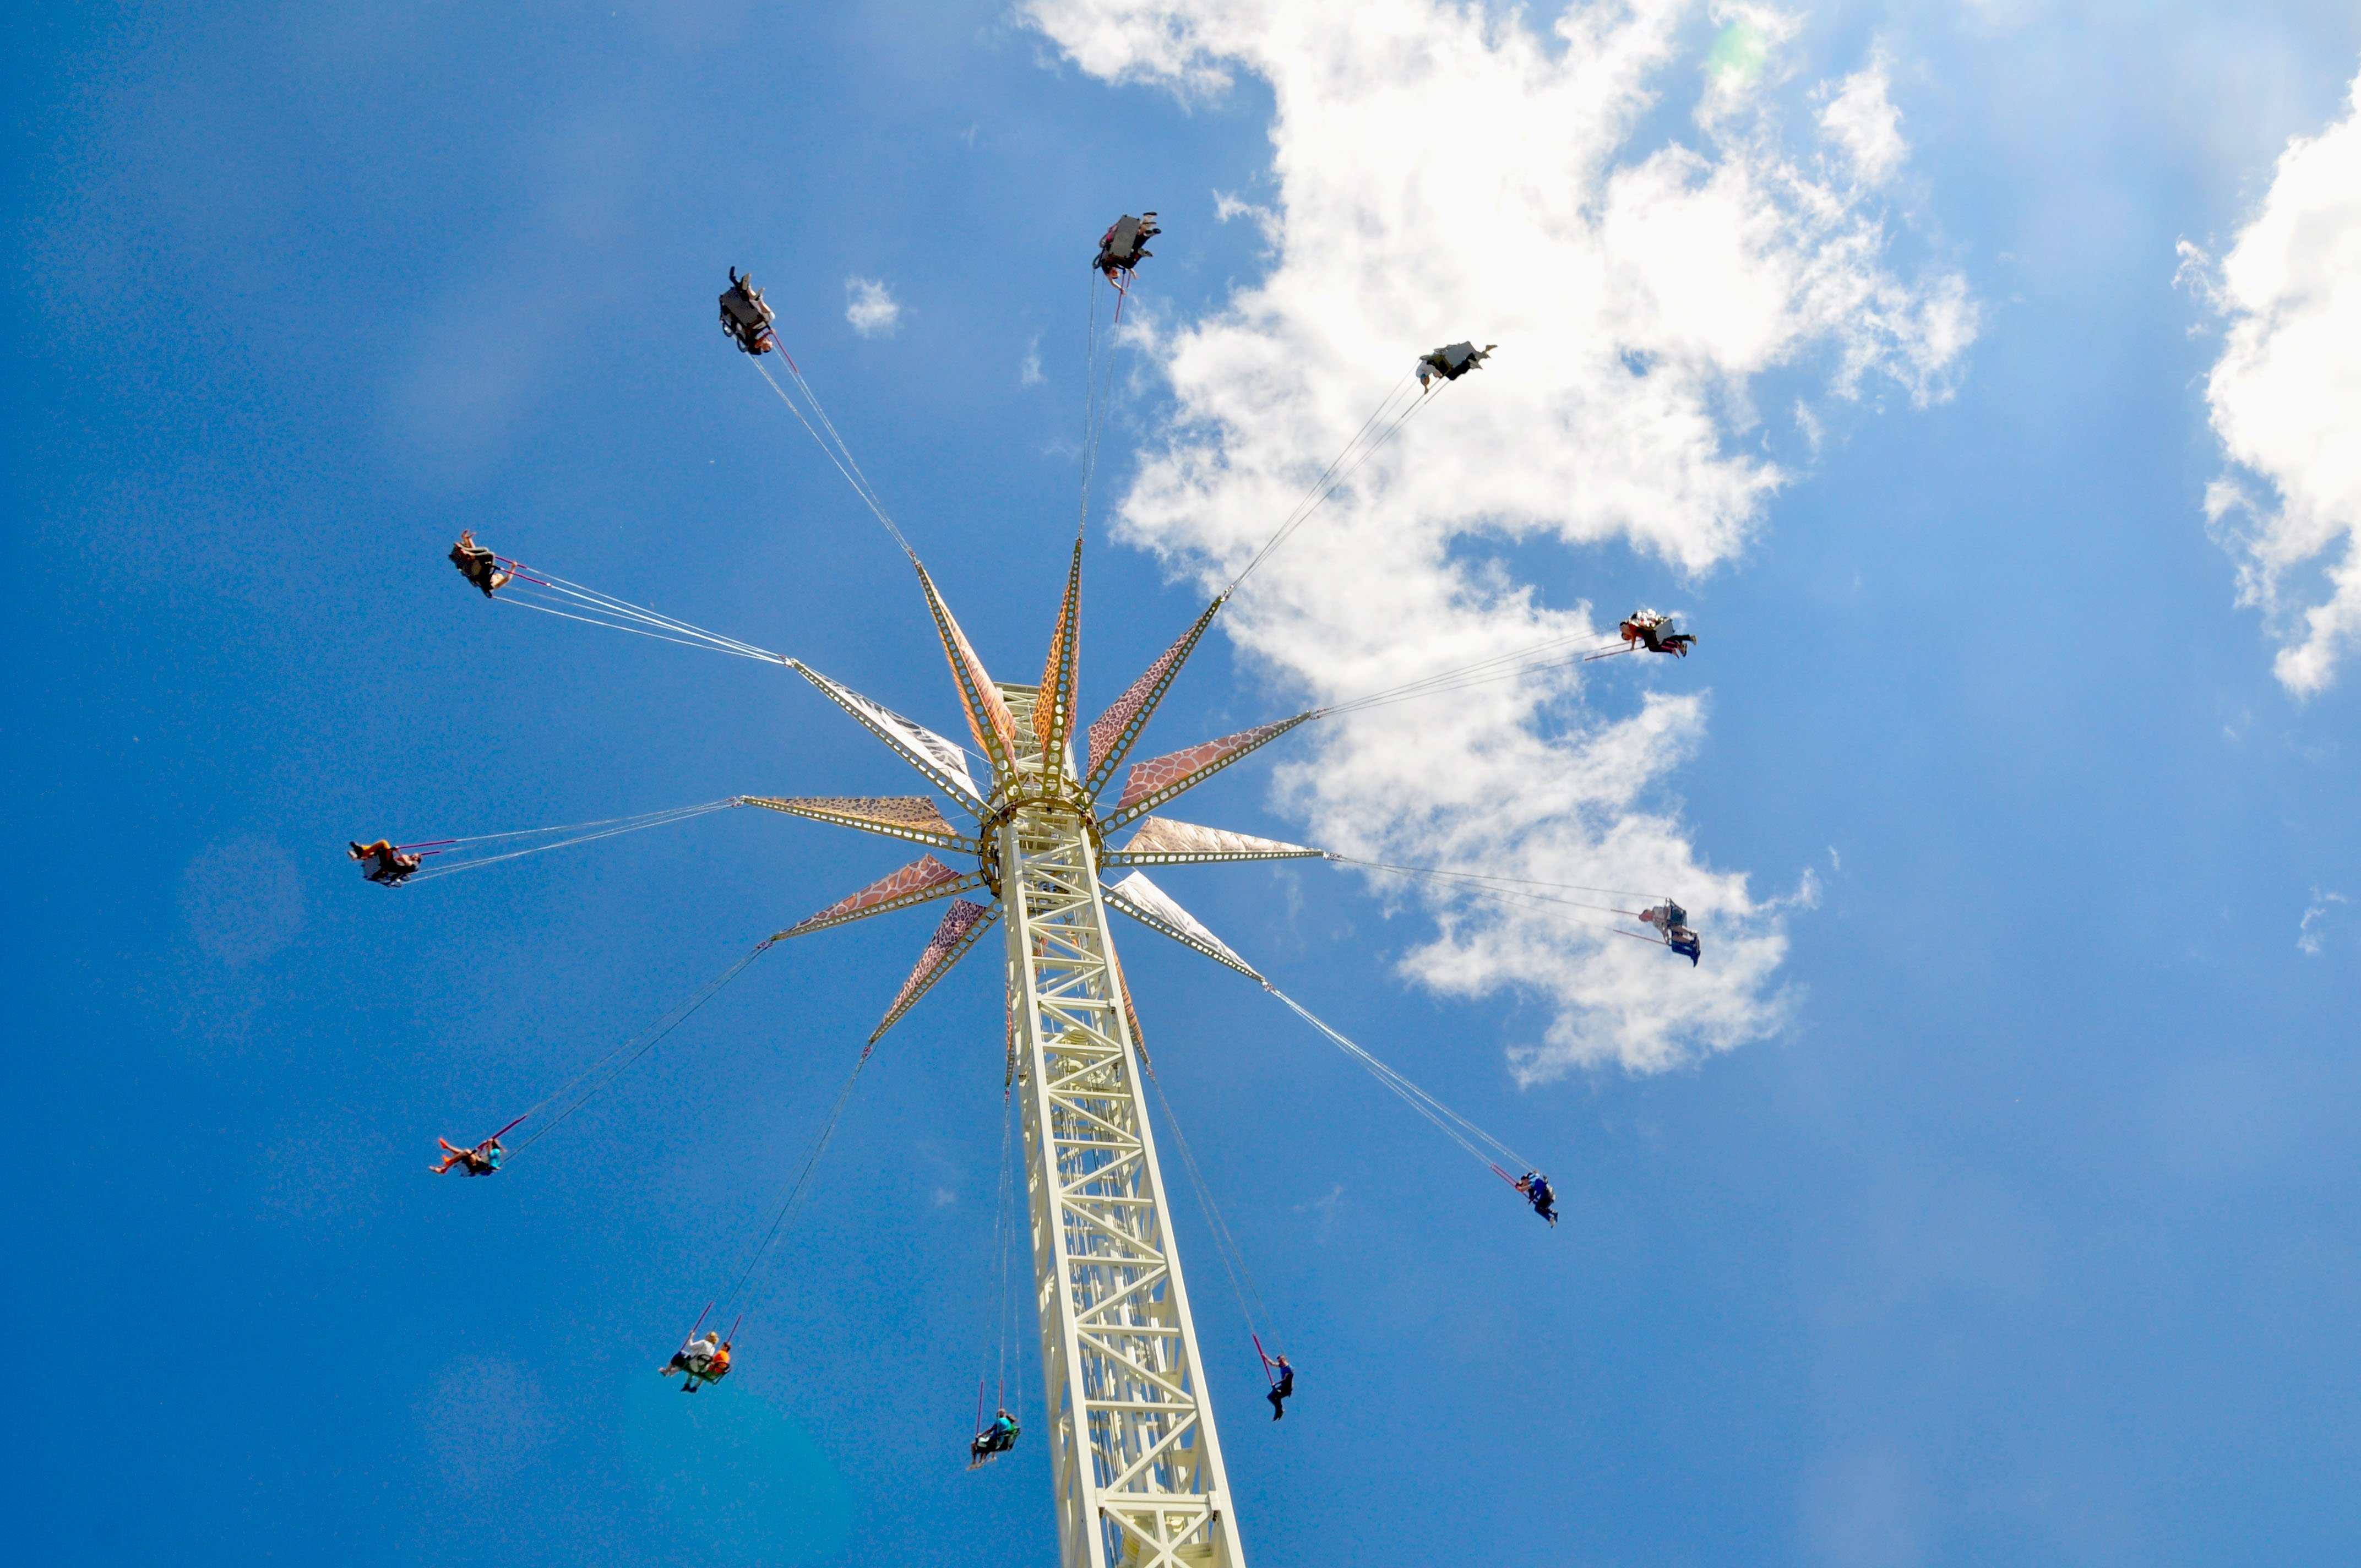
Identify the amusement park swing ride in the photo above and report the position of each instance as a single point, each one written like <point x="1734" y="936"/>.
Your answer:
<point x="1134" y="1452"/>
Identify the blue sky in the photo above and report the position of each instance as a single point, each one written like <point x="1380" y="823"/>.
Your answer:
<point x="1997" y="1207"/>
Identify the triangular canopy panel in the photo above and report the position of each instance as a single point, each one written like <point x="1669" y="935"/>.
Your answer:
<point x="1151" y="906"/>
<point x="1161" y="842"/>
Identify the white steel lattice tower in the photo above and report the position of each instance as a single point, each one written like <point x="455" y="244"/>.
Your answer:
<point x="1137" y="1461"/>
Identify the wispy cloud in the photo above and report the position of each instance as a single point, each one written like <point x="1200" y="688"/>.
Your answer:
<point x="1226" y="207"/>
<point x="1028" y="374"/>
<point x="2311" y="932"/>
<point x="1443" y="172"/>
<point x="871" y="307"/>
<point x="1326" y="1208"/>
<point x="2286" y="401"/>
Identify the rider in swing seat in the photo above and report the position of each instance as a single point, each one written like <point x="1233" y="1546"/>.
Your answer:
<point x="745" y="317"/>
<point x="482" y="1161"/>
<point x="478" y="564"/>
<point x="997" y="1438"/>
<point x="1282" y="1386"/>
<point x="1450" y="362"/>
<point x="696" y="1359"/>
<point x="1125" y="245"/>
<point x="383" y="864"/>
<point x="1540" y="1194"/>
<point x="1653" y="632"/>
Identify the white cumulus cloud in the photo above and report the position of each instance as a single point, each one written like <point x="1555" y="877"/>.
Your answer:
<point x="2286" y="401"/>
<point x="1443" y="173"/>
<point x="869" y="306"/>
<point x="1866" y="126"/>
